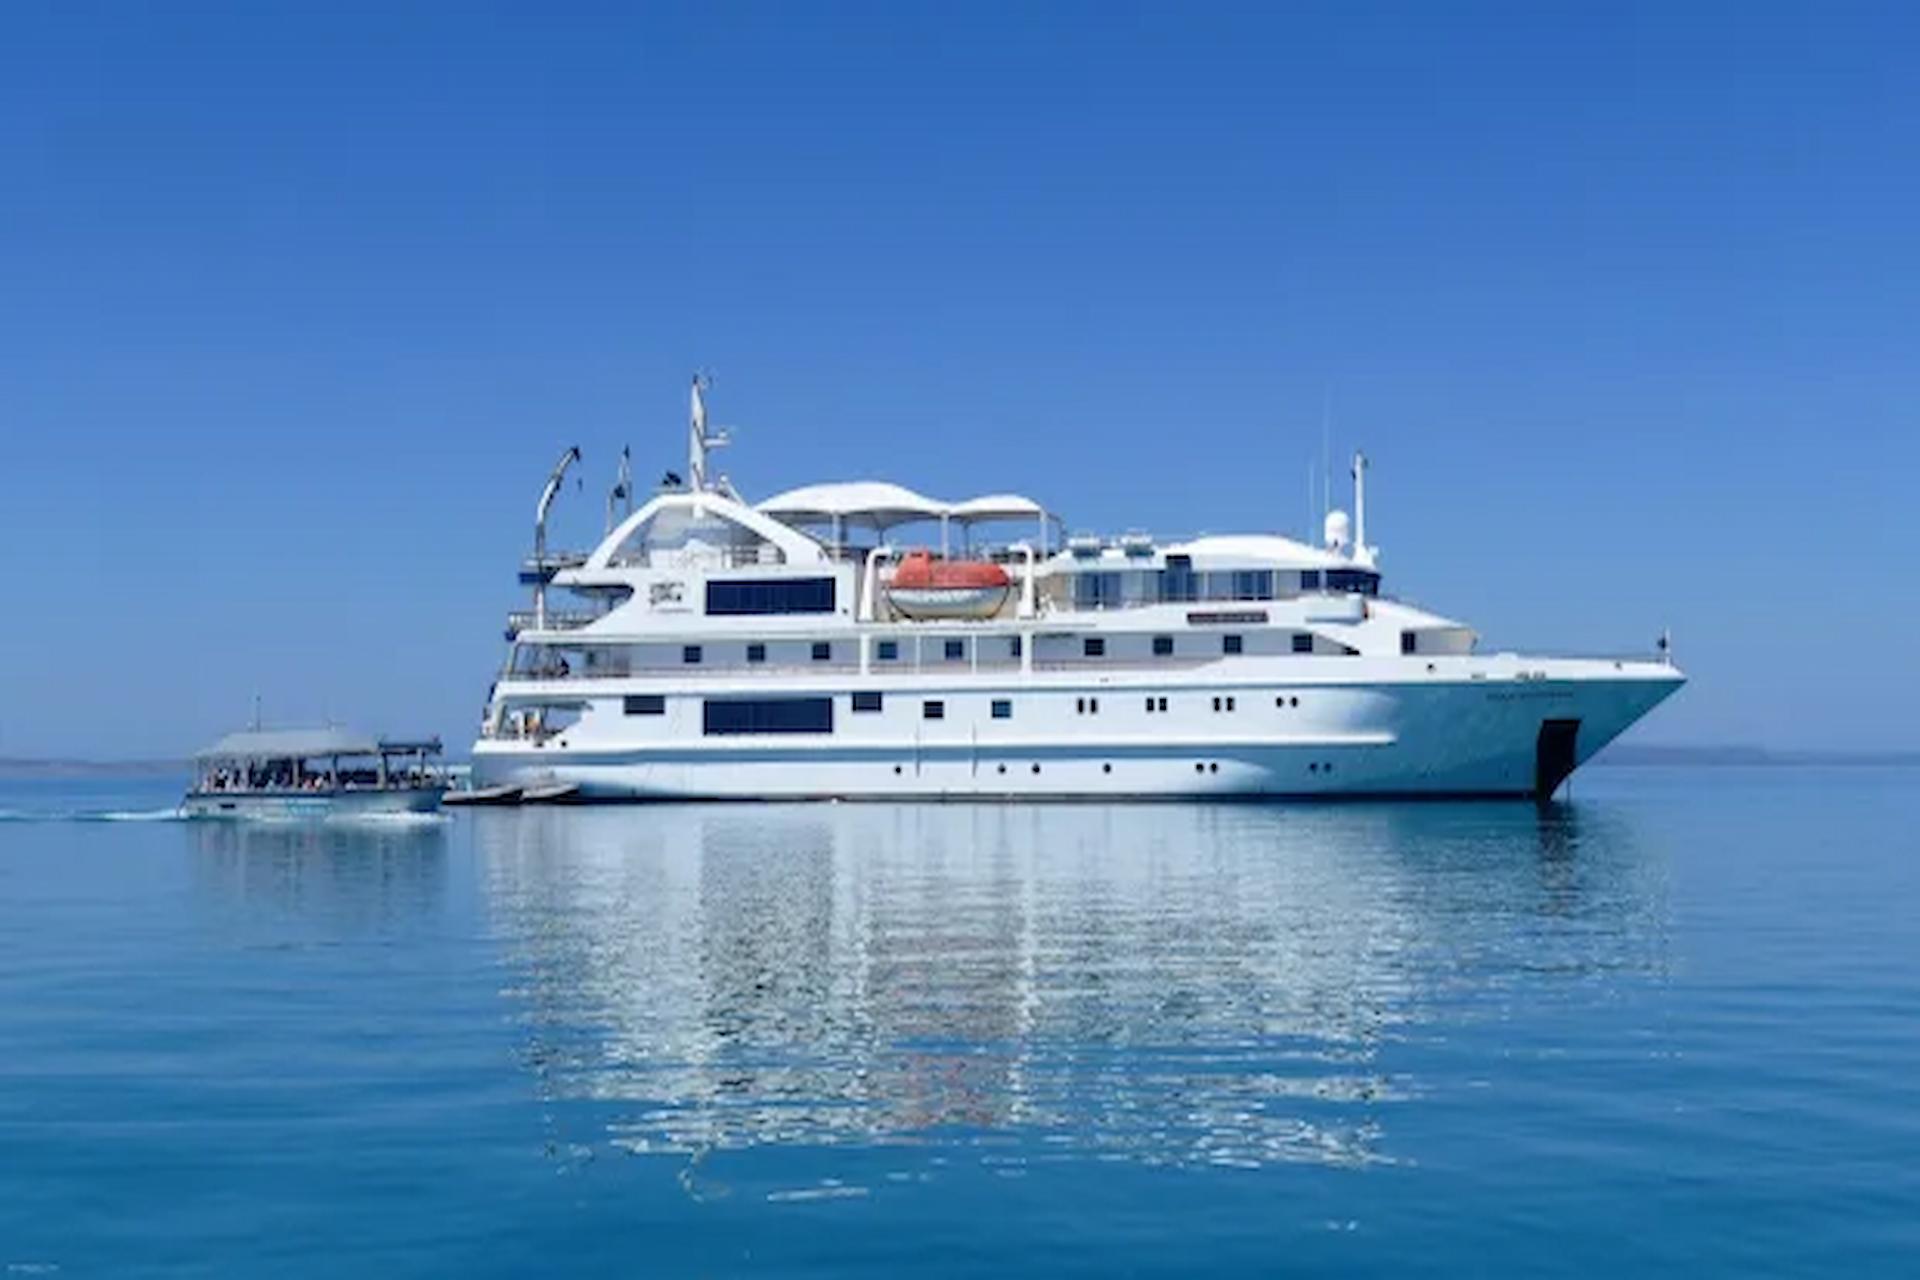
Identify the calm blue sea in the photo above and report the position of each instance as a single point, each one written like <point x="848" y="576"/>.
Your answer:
<point x="1671" y="1027"/>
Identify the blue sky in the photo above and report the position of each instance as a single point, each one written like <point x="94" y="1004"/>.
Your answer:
<point x="297" y="307"/>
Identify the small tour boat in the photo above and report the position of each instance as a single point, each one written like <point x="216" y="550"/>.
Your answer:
<point x="929" y="586"/>
<point x="313" y="773"/>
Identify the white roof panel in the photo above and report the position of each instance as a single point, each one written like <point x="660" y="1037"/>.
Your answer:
<point x="873" y="502"/>
<point x="998" y="506"/>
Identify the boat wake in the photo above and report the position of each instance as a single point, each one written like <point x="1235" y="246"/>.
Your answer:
<point x="169" y="814"/>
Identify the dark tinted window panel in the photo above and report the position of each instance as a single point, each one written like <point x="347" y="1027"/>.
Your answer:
<point x="767" y="715"/>
<point x="933" y="711"/>
<point x="1347" y="581"/>
<point x="1162" y="646"/>
<point x="822" y="652"/>
<point x="1310" y="580"/>
<point x="1094" y="647"/>
<point x="690" y="654"/>
<point x="1302" y="642"/>
<point x="1002" y="709"/>
<point x="956" y="650"/>
<point x="770" y="595"/>
<point x="645" y="704"/>
<point x="889" y="650"/>
<point x="1409" y="642"/>
<point x="1231" y="644"/>
<point x="756" y="653"/>
<point x="866" y="702"/>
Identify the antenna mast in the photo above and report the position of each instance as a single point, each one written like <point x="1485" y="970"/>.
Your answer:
<point x="699" y="439"/>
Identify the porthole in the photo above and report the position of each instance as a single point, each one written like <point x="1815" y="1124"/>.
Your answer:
<point x="896" y="768"/>
<point x="1003" y="768"/>
<point x="1106" y="768"/>
<point x="1198" y="767"/>
<point x="1313" y="766"/>
<point x="1036" y="768"/>
<point x="1214" y="767"/>
<point x="1295" y="701"/>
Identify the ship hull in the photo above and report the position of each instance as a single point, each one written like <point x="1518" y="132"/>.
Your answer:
<point x="1514" y="737"/>
<point x="309" y="805"/>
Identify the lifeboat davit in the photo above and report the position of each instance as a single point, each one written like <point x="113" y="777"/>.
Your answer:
<point x="926" y="586"/>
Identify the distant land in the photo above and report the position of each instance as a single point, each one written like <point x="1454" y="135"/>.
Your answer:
<point x="1706" y="755"/>
<point x="27" y="767"/>
<point x="1702" y="756"/>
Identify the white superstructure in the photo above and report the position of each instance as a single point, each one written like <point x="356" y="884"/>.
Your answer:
<point x="720" y="649"/>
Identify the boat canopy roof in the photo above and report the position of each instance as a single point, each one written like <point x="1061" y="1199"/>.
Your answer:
<point x="291" y="744"/>
<point x="882" y="505"/>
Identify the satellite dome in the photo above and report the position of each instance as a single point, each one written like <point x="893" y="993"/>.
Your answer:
<point x="1339" y="530"/>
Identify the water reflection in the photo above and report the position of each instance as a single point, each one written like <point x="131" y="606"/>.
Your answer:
<point x="1172" y="984"/>
<point x="336" y="876"/>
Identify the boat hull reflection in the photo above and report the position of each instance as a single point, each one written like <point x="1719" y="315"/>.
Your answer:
<point x="1169" y="984"/>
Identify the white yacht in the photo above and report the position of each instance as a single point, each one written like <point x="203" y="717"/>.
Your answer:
<point x="806" y="647"/>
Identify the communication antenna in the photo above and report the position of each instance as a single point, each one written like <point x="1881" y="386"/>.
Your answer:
<point x="1326" y="451"/>
<point x="1310" y="508"/>
<point x="256" y="711"/>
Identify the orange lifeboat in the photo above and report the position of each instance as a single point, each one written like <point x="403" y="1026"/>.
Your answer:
<point x="927" y="587"/>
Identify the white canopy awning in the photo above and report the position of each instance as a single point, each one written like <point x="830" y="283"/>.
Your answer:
<point x="997" y="506"/>
<point x="867" y="502"/>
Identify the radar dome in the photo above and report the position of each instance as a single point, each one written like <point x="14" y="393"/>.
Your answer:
<point x="1339" y="530"/>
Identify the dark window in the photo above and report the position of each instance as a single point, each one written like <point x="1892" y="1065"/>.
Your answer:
<point x="1303" y="642"/>
<point x="889" y="650"/>
<point x="1080" y="706"/>
<point x="933" y="711"/>
<point x="767" y="715"/>
<point x="645" y="704"/>
<point x="866" y="702"/>
<point x="1216" y="704"/>
<point x="756" y="653"/>
<point x="1353" y="580"/>
<point x="1094" y="647"/>
<point x="1013" y="646"/>
<point x="1149" y="704"/>
<point x="1229" y="704"/>
<point x="956" y="650"/>
<point x="690" y="654"/>
<point x="1162" y="646"/>
<point x="1163" y="704"/>
<point x="770" y="595"/>
<point x="1310" y="580"/>
<point x="1231" y="644"/>
<point x="1093" y="706"/>
<point x="1096" y="590"/>
<point x="1003" y="709"/>
<point x="1409" y="642"/>
<point x="1178" y="582"/>
<point x="822" y="651"/>
<point x="1253" y="584"/>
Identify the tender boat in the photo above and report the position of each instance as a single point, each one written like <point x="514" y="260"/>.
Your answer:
<point x="926" y="587"/>
<point x="314" y="773"/>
